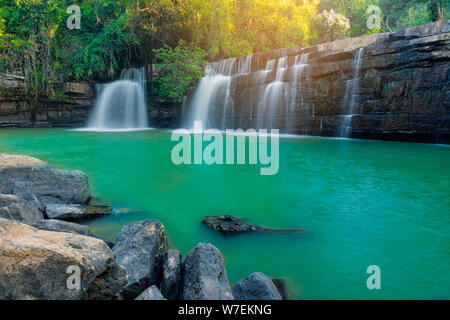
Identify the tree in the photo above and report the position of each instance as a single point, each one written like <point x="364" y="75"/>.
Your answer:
<point x="179" y="69"/>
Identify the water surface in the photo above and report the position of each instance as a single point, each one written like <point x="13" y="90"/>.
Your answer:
<point x="363" y="203"/>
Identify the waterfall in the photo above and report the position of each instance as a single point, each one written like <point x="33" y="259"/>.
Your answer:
<point x="212" y="96"/>
<point x="245" y="65"/>
<point x="275" y="103"/>
<point x="300" y="64"/>
<point x="121" y="105"/>
<point x="351" y="92"/>
<point x="273" y="95"/>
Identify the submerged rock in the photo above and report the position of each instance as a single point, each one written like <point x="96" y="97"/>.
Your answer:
<point x="256" y="286"/>
<point x="36" y="264"/>
<point x="229" y="225"/>
<point x="13" y="208"/>
<point x="140" y="248"/>
<point x="151" y="293"/>
<point x="204" y="276"/>
<point x="48" y="184"/>
<point x="171" y="275"/>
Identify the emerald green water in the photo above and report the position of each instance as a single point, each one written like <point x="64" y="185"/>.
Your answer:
<point x="363" y="203"/>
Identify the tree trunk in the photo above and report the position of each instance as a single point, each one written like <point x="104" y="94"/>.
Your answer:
<point x="437" y="12"/>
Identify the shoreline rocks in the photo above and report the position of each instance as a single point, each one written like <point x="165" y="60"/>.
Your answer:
<point x="151" y="293"/>
<point x="229" y="225"/>
<point x="42" y="258"/>
<point x="140" y="248"/>
<point x="47" y="183"/>
<point x="74" y="212"/>
<point x="171" y="275"/>
<point x="14" y="208"/>
<point x="34" y="263"/>
<point x="204" y="276"/>
<point x="256" y="286"/>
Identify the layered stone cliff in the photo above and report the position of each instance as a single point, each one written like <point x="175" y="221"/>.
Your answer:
<point x="70" y="109"/>
<point x="402" y="90"/>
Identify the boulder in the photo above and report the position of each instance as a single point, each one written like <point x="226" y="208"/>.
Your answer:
<point x="108" y="285"/>
<point x="11" y="207"/>
<point x="229" y="225"/>
<point x="256" y="286"/>
<point x="65" y="211"/>
<point x="48" y="184"/>
<point x="151" y="293"/>
<point x="61" y="226"/>
<point x="37" y="264"/>
<point x="204" y="276"/>
<point x="73" y="212"/>
<point x="140" y="248"/>
<point x="21" y="190"/>
<point x="70" y="227"/>
<point x="281" y="287"/>
<point x="171" y="275"/>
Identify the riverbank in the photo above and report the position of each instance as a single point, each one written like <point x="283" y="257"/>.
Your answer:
<point x="44" y="254"/>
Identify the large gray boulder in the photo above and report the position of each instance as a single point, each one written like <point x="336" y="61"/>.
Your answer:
<point x="256" y="286"/>
<point x="37" y="264"/>
<point x="151" y="293"/>
<point x="140" y="248"/>
<point x="73" y="212"/>
<point x="61" y="226"/>
<point x="21" y="190"/>
<point x="171" y="275"/>
<point x="13" y="208"/>
<point x="66" y="226"/>
<point x="48" y="184"/>
<point x="204" y="276"/>
<point x="108" y="285"/>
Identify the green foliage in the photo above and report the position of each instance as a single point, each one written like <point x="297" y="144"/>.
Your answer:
<point x="179" y="70"/>
<point x="116" y="34"/>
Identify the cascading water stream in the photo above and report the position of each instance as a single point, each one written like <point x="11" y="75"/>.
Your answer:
<point x="274" y="95"/>
<point x="295" y="92"/>
<point x="351" y="92"/>
<point x="213" y="94"/>
<point x="121" y="105"/>
<point x="275" y="105"/>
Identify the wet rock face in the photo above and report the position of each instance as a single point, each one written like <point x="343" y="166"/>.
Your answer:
<point x="34" y="264"/>
<point x="151" y="293"/>
<point x="204" y="276"/>
<point x="140" y="248"/>
<point x="171" y="275"/>
<point x="256" y="286"/>
<point x="48" y="184"/>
